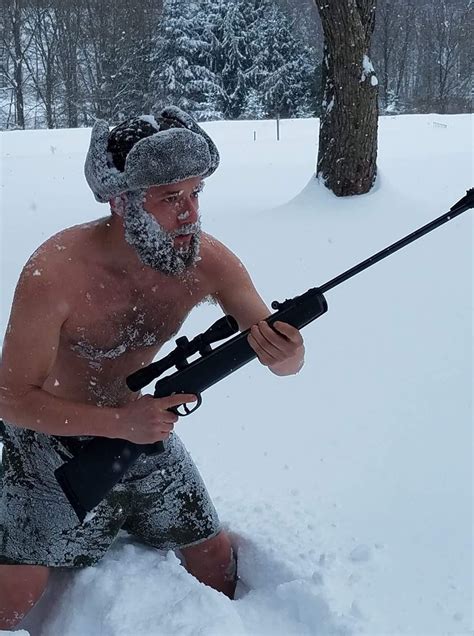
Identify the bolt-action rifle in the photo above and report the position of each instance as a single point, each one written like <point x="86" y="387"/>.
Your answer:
<point x="90" y="475"/>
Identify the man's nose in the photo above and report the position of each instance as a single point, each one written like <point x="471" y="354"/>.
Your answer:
<point x="189" y="211"/>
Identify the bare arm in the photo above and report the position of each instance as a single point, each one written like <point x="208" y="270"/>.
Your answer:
<point x="30" y="348"/>
<point x="29" y="352"/>
<point x="280" y="348"/>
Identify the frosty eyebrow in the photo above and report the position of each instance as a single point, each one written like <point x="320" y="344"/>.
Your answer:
<point x="168" y="193"/>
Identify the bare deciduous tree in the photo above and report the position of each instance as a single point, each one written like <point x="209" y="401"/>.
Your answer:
<point x="15" y="50"/>
<point x="69" y="17"/>
<point x="392" y="37"/>
<point x="41" y="29"/>
<point x="441" y="28"/>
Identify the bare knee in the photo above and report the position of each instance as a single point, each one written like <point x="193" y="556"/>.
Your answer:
<point x="212" y="551"/>
<point x="21" y="586"/>
<point x="213" y="562"/>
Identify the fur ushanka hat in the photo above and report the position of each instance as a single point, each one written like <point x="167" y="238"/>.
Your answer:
<point x="171" y="147"/>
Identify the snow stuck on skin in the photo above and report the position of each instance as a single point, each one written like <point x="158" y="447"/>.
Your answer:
<point x="130" y="337"/>
<point x="183" y="215"/>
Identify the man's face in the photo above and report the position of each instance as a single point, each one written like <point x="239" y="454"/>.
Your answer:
<point x="162" y="224"/>
<point x="175" y="206"/>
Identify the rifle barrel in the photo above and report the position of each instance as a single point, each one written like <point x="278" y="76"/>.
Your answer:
<point x="461" y="206"/>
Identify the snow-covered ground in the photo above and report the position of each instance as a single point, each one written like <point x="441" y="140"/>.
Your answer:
<point x="348" y="488"/>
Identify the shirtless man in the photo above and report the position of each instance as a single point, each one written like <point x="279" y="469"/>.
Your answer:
<point x="93" y="304"/>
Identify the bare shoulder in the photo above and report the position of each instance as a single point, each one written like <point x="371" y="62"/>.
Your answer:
<point x="218" y="259"/>
<point x="231" y="284"/>
<point x="63" y="250"/>
<point x="44" y="297"/>
<point x="56" y="263"/>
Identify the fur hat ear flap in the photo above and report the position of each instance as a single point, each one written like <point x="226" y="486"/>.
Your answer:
<point x="103" y="178"/>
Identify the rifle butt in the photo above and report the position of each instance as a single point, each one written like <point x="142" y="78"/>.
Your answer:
<point x="87" y="478"/>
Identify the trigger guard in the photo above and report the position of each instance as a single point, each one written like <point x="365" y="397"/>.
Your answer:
<point x="187" y="410"/>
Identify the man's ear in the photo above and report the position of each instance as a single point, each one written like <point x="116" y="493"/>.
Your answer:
<point x="117" y="204"/>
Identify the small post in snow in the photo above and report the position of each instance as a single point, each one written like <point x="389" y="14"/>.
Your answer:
<point x="278" y="127"/>
<point x="255" y="135"/>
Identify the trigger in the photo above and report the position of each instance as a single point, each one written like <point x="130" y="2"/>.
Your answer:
<point x="187" y="410"/>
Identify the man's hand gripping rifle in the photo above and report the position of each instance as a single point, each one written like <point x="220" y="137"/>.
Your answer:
<point x="88" y="477"/>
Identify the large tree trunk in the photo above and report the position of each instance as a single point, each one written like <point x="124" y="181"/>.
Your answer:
<point x="348" y="125"/>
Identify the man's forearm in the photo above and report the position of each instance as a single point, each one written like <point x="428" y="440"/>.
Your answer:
<point x="40" y="411"/>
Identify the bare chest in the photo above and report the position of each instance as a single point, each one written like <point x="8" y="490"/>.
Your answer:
<point x="112" y="318"/>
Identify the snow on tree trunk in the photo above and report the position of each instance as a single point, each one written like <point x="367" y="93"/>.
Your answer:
<point x="348" y="125"/>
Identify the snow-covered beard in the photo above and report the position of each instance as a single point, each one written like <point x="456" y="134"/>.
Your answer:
<point x="155" y="245"/>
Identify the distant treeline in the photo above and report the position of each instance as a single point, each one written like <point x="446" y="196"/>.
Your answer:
<point x="64" y="63"/>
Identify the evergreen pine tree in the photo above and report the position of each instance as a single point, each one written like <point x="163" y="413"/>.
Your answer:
<point x="285" y="67"/>
<point x="237" y="60"/>
<point x="241" y="59"/>
<point x="182" y="76"/>
<point x="254" y="107"/>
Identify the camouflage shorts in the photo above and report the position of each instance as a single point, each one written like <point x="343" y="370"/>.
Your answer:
<point x="162" y="500"/>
